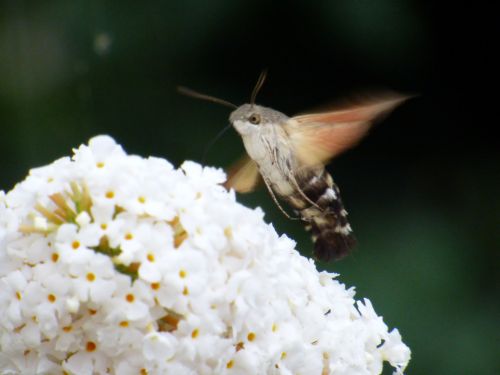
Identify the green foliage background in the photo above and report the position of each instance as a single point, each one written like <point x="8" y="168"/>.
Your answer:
<point x="421" y="189"/>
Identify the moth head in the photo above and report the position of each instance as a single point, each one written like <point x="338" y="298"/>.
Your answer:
<point x="250" y="118"/>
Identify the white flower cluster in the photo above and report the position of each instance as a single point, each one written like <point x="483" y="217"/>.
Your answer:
<point x="116" y="264"/>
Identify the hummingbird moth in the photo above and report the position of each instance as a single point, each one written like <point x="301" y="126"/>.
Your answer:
<point x="289" y="154"/>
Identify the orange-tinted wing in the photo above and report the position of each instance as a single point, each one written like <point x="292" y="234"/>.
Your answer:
<point x="243" y="175"/>
<point x="319" y="137"/>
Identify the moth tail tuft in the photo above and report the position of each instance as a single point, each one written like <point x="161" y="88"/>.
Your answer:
<point x="331" y="245"/>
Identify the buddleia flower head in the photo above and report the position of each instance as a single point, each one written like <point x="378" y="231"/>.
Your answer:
<point x="116" y="264"/>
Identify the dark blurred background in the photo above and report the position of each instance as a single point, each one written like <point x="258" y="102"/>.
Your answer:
<point x="422" y="189"/>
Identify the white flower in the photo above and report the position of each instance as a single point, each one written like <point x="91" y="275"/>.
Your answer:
<point x="112" y="263"/>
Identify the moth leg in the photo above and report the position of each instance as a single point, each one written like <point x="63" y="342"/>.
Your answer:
<point x="296" y="185"/>
<point x="277" y="203"/>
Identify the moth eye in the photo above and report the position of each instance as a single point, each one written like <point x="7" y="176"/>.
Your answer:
<point x="254" y="119"/>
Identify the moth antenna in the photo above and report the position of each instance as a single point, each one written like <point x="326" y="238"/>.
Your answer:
<point x="194" y="94"/>
<point x="258" y="86"/>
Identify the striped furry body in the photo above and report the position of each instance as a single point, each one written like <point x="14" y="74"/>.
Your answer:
<point x="326" y="219"/>
<point x="309" y="190"/>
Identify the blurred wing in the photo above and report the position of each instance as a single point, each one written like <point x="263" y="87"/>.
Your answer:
<point x="243" y="175"/>
<point x="319" y="137"/>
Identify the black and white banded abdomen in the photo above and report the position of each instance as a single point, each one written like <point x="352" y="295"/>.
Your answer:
<point x="326" y="219"/>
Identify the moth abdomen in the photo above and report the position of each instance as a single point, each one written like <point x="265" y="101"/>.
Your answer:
<point x="326" y="219"/>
